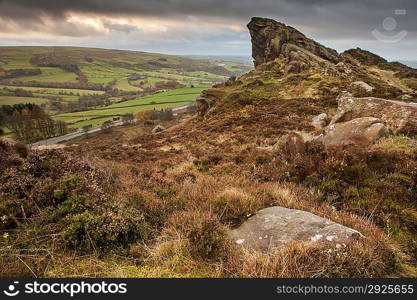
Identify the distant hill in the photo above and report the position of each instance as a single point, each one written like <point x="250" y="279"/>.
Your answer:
<point x="410" y="63"/>
<point x="75" y="79"/>
<point x="94" y="68"/>
<point x="237" y="58"/>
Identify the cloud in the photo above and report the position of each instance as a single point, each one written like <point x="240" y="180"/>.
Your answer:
<point x="194" y="24"/>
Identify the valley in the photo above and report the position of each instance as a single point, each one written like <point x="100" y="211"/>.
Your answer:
<point x="87" y="86"/>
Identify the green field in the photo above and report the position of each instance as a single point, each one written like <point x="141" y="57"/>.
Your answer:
<point x="104" y="66"/>
<point x="53" y="91"/>
<point x="50" y="74"/>
<point x="123" y="84"/>
<point x="160" y="100"/>
<point x="11" y="100"/>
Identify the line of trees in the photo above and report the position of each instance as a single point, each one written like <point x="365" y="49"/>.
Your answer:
<point x="29" y="122"/>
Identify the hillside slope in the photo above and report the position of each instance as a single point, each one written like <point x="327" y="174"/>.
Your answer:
<point x="136" y="203"/>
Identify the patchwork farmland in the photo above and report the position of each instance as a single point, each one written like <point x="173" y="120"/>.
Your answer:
<point x="83" y="86"/>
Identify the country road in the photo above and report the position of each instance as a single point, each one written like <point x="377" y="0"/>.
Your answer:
<point x="70" y="136"/>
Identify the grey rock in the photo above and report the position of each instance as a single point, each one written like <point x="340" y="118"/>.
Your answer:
<point x="158" y="128"/>
<point x="365" y="130"/>
<point x="400" y="117"/>
<point x="277" y="226"/>
<point x="363" y="86"/>
<point x="406" y="97"/>
<point x="272" y="39"/>
<point x="320" y="121"/>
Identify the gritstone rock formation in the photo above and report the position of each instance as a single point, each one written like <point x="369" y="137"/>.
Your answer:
<point x="271" y="40"/>
<point x="400" y="117"/>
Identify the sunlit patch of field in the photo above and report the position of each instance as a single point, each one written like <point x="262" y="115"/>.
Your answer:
<point x="162" y="100"/>
<point x="11" y="100"/>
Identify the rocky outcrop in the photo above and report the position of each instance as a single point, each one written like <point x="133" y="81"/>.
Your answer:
<point x="277" y="226"/>
<point x="400" y="117"/>
<point x="358" y="131"/>
<point x="320" y="121"/>
<point x="271" y="40"/>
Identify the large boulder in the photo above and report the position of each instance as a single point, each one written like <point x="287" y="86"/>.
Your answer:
<point x="272" y="40"/>
<point x="400" y="117"/>
<point x="277" y="226"/>
<point x="362" y="130"/>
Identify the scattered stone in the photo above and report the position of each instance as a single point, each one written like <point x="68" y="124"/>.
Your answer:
<point x="158" y="128"/>
<point x="362" y="86"/>
<point x="365" y="131"/>
<point x="400" y="117"/>
<point x="277" y="226"/>
<point x="320" y="121"/>
<point x="406" y="97"/>
<point x="343" y="68"/>
<point x="293" y="140"/>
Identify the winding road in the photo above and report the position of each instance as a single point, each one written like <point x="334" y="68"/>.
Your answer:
<point x="70" y="136"/>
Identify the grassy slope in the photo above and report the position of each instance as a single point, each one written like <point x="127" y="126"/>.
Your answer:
<point x="158" y="205"/>
<point x="233" y="175"/>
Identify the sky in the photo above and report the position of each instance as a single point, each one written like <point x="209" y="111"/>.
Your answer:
<point x="208" y="27"/>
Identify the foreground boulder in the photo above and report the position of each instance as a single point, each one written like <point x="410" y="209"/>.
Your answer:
<point x="400" y="117"/>
<point x="271" y="40"/>
<point x="362" y="130"/>
<point x="277" y="226"/>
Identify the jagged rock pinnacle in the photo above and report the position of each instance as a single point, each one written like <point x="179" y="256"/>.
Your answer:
<point x="271" y="40"/>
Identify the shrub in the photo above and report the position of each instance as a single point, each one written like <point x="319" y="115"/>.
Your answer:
<point x="375" y="259"/>
<point x="208" y="240"/>
<point x="233" y="206"/>
<point x="103" y="230"/>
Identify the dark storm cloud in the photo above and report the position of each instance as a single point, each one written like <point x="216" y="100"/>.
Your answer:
<point x="337" y="23"/>
<point x="331" y="16"/>
<point x="225" y="8"/>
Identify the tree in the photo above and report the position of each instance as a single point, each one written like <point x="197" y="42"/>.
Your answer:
<point x="30" y="122"/>
<point x="107" y="126"/>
